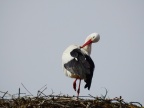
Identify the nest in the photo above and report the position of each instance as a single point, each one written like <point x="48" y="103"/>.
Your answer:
<point x="62" y="101"/>
<point x="56" y="101"/>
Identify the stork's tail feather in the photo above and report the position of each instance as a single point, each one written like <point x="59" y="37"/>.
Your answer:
<point x="87" y="86"/>
<point x="88" y="83"/>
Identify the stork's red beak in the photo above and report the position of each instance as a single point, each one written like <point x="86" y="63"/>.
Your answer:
<point x="87" y="43"/>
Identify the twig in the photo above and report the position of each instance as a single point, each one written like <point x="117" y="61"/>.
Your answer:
<point x="19" y="93"/>
<point x="137" y="103"/>
<point x="104" y="97"/>
<point x="4" y="94"/>
<point x="52" y="91"/>
<point x="92" y="96"/>
<point x="26" y="89"/>
<point x="43" y="87"/>
<point x="41" y="92"/>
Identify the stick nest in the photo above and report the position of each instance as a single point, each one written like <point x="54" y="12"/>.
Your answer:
<point x="55" y="101"/>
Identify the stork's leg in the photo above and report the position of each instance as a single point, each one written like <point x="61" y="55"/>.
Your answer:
<point x="78" y="91"/>
<point x="74" y="84"/>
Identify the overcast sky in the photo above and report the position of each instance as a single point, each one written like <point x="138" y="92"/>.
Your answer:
<point x="34" y="34"/>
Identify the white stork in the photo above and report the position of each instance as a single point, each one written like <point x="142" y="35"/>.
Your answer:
<point x="77" y="63"/>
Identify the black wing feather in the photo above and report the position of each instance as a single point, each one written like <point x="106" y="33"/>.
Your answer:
<point x="88" y="79"/>
<point x="81" y="65"/>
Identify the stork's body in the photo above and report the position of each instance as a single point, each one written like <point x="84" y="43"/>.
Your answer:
<point x="77" y="62"/>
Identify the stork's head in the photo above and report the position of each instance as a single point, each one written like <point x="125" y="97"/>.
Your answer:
<point x="92" y="38"/>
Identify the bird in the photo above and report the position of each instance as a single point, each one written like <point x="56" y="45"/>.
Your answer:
<point x="77" y="63"/>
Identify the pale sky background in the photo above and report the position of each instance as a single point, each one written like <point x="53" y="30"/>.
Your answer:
<point x="34" y="34"/>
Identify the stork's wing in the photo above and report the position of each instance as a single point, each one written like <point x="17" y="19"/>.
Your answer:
<point x="81" y="65"/>
<point x="88" y="79"/>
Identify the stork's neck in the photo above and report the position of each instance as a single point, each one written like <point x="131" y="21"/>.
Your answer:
<point x="87" y="48"/>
